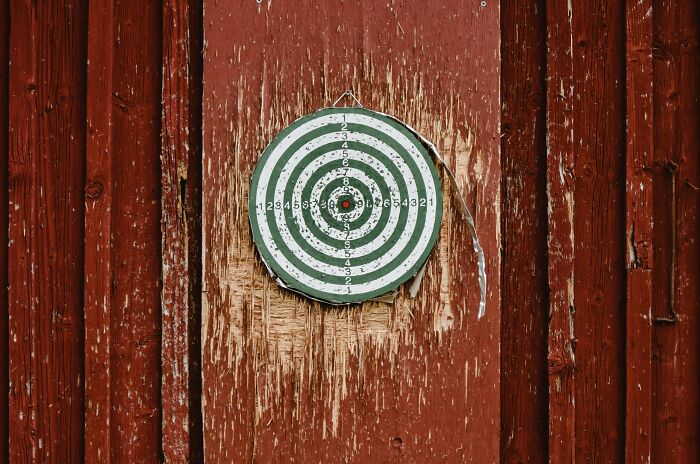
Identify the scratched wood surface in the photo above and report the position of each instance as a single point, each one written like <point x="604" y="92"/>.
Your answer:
<point x="122" y="234"/>
<point x="101" y="167"/>
<point x="46" y="169"/>
<point x="586" y="182"/>
<point x="676" y="338"/>
<point x="4" y="144"/>
<point x="181" y="181"/>
<point x="599" y="281"/>
<point x="286" y="379"/>
<point x="524" y="294"/>
<point x="640" y="230"/>
<point x="560" y="230"/>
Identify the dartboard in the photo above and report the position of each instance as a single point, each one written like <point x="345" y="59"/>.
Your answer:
<point x="345" y="205"/>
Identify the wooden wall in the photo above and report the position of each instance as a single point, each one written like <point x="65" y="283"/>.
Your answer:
<point x="101" y="229"/>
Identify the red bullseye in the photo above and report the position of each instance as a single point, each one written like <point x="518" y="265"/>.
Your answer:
<point x="346" y="204"/>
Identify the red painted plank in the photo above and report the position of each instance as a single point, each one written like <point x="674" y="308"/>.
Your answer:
<point x="524" y="319"/>
<point x="4" y="146"/>
<point x="288" y="379"/>
<point x="98" y="233"/>
<point x="676" y="420"/>
<point x="181" y="230"/>
<point x="560" y="190"/>
<point x="640" y="229"/>
<point x="599" y="228"/>
<point x="123" y="265"/>
<point x="46" y="168"/>
<point x="136" y="263"/>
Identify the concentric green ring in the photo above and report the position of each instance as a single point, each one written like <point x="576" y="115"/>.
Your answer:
<point x="281" y="257"/>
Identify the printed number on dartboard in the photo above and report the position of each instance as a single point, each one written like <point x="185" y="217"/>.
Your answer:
<point x="377" y="203"/>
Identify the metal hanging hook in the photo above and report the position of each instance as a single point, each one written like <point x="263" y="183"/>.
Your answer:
<point x="348" y="93"/>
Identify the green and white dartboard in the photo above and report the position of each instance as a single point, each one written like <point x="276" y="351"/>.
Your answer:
<point x="345" y="205"/>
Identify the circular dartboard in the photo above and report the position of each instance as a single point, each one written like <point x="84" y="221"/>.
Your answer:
<point x="345" y="205"/>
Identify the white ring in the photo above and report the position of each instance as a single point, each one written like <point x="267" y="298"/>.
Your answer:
<point x="264" y="181"/>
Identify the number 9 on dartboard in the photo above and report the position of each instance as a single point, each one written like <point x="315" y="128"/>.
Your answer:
<point x="345" y="205"/>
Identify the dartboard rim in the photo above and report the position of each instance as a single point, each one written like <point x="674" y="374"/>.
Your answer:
<point x="282" y="274"/>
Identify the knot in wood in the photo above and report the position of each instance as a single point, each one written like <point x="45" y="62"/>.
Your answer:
<point x="94" y="190"/>
<point x="556" y="363"/>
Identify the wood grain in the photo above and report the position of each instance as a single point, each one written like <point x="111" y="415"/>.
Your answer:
<point x="524" y="296"/>
<point x="98" y="236"/>
<point x="286" y="378"/>
<point x="46" y="171"/>
<point x="123" y="265"/>
<point x="640" y="229"/>
<point x="676" y="356"/>
<point x="560" y="230"/>
<point x="4" y="155"/>
<point x="103" y="238"/>
<point x="599" y="228"/>
<point x="181" y="190"/>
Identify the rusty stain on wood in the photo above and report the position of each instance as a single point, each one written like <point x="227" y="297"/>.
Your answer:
<point x="282" y="373"/>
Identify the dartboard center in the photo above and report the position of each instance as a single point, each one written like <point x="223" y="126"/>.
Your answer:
<point x="346" y="204"/>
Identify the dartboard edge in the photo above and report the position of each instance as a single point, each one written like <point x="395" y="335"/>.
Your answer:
<point x="344" y="205"/>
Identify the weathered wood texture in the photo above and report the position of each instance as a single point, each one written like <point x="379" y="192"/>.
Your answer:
<point x="598" y="312"/>
<point x="45" y="259"/>
<point x="122" y="234"/>
<point x="524" y="295"/>
<point x="640" y="229"/>
<point x="597" y="245"/>
<point x="560" y="230"/>
<point x="181" y="183"/>
<point x="286" y="379"/>
<point x="676" y="307"/>
<point x="98" y="236"/>
<point x="4" y="145"/>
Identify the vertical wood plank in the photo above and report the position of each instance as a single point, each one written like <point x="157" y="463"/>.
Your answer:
<point x="136" y="263"/>
<point x="560" y="193"/>
<point x="640" y="229"/>
<point x="285" y="378"/>
<point x="98" y="235"/>
<point x="181" y="230"/>
<point x="4" y="154"/>
<point x="524" y="436"/>
<point x="123" y="266"/>
<point x="676" y="381"/>
<point x="599" y="228"/>
<point x="46" y="171"/>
